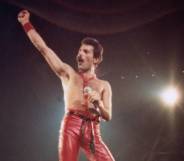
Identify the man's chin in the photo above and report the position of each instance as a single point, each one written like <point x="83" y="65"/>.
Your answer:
<point x="81" y="69"/>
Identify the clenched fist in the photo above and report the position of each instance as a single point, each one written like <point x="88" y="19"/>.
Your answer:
<point x="23" y="16"/>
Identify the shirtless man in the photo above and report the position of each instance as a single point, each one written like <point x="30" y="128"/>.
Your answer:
<point x="87" y="98"/>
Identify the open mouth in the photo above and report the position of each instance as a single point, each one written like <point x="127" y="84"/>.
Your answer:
<point x="80" y="60"/>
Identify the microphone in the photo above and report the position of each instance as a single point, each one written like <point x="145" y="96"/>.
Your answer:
<point x="87" y="90"/>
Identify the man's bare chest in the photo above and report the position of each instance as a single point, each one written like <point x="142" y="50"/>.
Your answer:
<point x="79" y="84"/>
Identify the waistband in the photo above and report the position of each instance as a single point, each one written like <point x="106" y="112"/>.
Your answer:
<point x="84" y="115"/>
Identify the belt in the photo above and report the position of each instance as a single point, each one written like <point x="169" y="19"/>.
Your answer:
<point x="82" y="128"/>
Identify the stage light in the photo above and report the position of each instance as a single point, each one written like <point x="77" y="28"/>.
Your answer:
<point x="170" y="96"/>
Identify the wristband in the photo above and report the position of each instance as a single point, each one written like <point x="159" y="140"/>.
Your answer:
<point x="27" y="27"/>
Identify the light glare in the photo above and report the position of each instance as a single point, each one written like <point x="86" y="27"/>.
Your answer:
<point x="170" y="96"/>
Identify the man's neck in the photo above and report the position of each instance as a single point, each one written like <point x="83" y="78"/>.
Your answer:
<point x="88" y="74"/>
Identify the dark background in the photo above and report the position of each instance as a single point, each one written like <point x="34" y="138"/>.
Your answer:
<point x="143" y="42"/>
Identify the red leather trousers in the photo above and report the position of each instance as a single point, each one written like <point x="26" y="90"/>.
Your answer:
<point x="72" y="138"/>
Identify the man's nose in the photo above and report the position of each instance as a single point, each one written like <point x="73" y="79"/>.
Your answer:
<point x="80" y="53"/>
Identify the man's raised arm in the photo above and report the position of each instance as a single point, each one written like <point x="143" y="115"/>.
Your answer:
<point x="59" y="67"/>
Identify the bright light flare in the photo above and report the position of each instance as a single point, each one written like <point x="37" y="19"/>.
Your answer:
<point x="170" y="96"/>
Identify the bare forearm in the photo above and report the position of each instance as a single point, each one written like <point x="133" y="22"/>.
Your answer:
<point x="37" y="41"/>
<point x="35" y="38"/>
<point x="105" y="113"/>
<point x="52" y="59"/>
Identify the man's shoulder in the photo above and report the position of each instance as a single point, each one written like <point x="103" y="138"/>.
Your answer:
<point x="105" y="83"/>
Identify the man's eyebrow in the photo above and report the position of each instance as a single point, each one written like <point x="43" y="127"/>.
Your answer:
<point x="86" y="50"/>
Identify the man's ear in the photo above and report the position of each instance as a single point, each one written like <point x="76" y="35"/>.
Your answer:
<point x="96" y="61"/>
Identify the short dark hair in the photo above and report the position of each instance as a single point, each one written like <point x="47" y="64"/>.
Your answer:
<point x="98" y="49"/>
